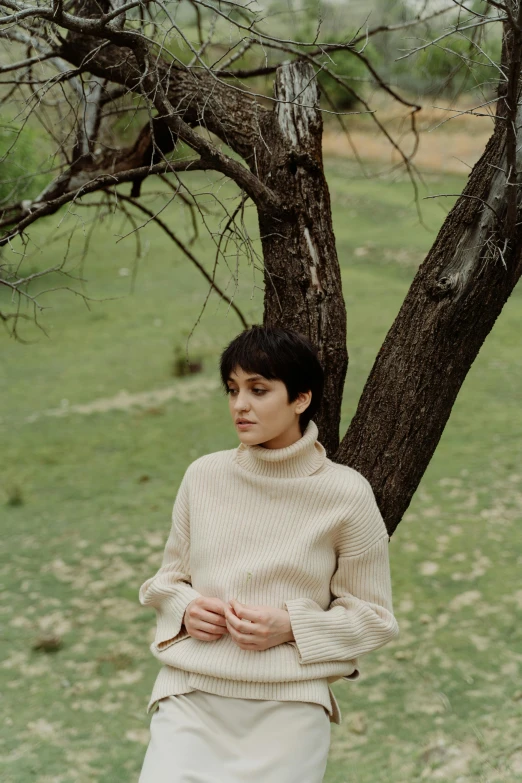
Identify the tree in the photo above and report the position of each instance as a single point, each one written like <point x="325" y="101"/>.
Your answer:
<point x="109" y="56"/>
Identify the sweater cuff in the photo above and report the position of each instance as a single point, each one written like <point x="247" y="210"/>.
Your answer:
<point x="311" y="647"/>
<point x="305" y="640"/>
<point x="169" y="616"/>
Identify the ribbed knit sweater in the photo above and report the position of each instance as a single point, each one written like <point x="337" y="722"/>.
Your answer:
<point x="286" y="528"/>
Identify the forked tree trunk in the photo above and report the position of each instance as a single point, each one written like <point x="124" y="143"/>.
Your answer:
<point x="456" y="295"/>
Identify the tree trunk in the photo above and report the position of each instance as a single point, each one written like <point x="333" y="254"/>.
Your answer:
<point x="454" y="300"/>
<point x="302" y="276"/>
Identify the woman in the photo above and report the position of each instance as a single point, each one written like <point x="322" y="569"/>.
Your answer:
<point x="275" y="580"/>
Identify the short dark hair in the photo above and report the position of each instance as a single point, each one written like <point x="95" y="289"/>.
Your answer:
<point x="277" y="353"/>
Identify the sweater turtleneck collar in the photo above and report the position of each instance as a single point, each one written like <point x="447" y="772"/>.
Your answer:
<point x="302" y="458"/>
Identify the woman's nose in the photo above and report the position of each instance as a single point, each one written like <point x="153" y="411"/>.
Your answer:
<point x="241" y="402"/>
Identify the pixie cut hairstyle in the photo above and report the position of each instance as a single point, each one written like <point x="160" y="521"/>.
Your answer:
<point x="277" y="353"/>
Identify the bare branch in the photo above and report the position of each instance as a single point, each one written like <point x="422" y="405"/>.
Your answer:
<point x="155" y="217"/>
<point x="101" y="182"/>
<point x="452" y="31"/>
<point x="465" y="195"/>
<point x="392" y="28"/>
<point x="26" y="63"/>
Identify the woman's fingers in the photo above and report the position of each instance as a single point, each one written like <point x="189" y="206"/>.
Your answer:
<point x="199" y="613"/>
<point x="240" y="627"/>
<point x="212" y="617"/>
<point x="213" y="628"/>
<point x="208" y="630"/>
<point x="245" y="612"/>
<point x="203" y="629"/>
<point x="207" y="637"/>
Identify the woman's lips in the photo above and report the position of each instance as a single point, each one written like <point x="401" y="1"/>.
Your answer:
<point x="244" y="425"/>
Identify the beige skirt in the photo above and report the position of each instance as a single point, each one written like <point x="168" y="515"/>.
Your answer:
<point x="201" y="737"/>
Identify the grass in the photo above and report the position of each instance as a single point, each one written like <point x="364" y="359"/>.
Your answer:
<point x="86" y="501"/>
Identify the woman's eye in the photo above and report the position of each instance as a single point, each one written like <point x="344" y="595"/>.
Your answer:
<point x="259" y="392"/>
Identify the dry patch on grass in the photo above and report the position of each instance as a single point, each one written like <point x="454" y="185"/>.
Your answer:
<point x="452" y="147"/>
<point x="184" y="391"/>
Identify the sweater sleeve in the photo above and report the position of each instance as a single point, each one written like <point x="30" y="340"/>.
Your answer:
<point x="360" y="618"/>
<point x="170" y="590"/>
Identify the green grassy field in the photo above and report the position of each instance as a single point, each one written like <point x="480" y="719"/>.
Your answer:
<point x="87" y="494"/>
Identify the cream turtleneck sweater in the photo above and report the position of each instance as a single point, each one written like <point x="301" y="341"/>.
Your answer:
<point x="286" y="528"/>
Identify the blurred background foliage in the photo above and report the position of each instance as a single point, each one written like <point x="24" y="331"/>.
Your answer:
<point x="22" y="157"/>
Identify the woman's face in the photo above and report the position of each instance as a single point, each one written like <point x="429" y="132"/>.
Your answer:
<point x="274" y="422"/>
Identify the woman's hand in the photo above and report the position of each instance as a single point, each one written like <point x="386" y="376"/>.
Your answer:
<point x="257" y="627"/>
<point x="204" y="618"/>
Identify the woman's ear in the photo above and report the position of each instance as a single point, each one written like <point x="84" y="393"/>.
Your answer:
<point x="305" y="400"/>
